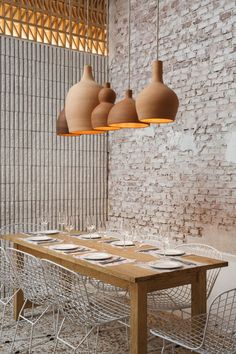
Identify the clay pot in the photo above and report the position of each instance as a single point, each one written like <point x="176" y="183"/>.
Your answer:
<point x="61" y="125"/>
<point x="157" y="103"/>
<point x="99" y="117"/>
<point x="124" y="115"/>
<point x="81" y="100"/>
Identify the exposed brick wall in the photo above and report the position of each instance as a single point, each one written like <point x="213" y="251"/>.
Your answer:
<point x="181" y="176"/>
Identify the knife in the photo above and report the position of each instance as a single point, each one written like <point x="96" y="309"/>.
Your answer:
<point x="112" y="261"/>
<point x="182" y="261"/>
<point x="149" y="249"/>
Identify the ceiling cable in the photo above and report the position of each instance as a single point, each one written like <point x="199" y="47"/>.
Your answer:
<point x="129" y="5"/>
<point x="157" y="29"/>
<point x="108" y="66"/>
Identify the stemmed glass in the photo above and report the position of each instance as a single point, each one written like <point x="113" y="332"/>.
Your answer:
<point x="61" y="220"/>
<point x="165" y="240"/>
<point x="101" y="228"/>
<point x="44" y="220"/>
<point x="70" y="224"/>
<point x="91" y="224"/>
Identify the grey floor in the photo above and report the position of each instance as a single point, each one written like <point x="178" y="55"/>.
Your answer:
<point x="112" y="338"/>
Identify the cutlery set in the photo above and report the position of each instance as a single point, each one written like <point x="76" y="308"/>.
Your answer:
<point x="109" y="261"/>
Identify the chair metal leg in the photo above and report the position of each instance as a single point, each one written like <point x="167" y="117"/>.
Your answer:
<point x="31" y="338"/>
<point x="96" y="341"/>
<point x="17" y="324"/>
<point x="2" y="319"/>
<point x="57" y="335"/>
<point x="163" y="346"/>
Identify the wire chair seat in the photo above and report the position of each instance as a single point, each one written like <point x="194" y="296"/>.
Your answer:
<point x="97" y="311"/>
<point x="171" y="299"/>
<point x="179" y="298"/>
<point x="78" y="305"/>
<point x="212" y="333"/>
<point x="30" y="276"/>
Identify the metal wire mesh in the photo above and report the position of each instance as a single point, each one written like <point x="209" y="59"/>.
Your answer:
<point x="214" y="333"/>
<point x="76" y="303"/>
<point x="29" y="272"/>
<point x="180" y="297"/>
<point x="7" y="278"/>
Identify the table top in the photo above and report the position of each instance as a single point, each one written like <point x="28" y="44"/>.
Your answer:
<point x="130" y="272"/>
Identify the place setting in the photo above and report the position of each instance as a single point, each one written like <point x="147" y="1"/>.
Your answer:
<point x="104" y="258"/>
<point x="41" y="239"/>
<point x="68" y="248"/>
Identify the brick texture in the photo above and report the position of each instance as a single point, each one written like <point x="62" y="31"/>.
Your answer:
<point x="178" y="178"/>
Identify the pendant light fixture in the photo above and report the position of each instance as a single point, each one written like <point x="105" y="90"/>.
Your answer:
<point x="106" y="96"/>
<point x="124" y="114"/>
<point x="82" y="98"/>
<point x="157" y="103"/>
<point x="61" y="125"/>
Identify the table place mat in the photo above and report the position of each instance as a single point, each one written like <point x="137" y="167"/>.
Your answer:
<point x="106" y="263"/>
<point x="80" y="249"/>
<point x="148" y="266"/>
<point x="41" y="242"/>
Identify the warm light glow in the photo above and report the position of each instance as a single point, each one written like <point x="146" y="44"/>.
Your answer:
<point x="49" y="22"/>
<point x="88" y="132"/>
<point x="157" y="120"/>
<point x="129" y="125"/>
<point x="107" y="128"/>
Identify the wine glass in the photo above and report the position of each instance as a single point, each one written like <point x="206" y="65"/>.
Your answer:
<point x="91" y="224"/>
<point x="44" y="219"/>
<point x="70" y="224"/>
<point x="101" y="228"/>
<point x="61" y="220"/>
<point x="165" y="240"/>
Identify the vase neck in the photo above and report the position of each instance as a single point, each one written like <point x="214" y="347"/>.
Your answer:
<point x="128" y="93"/>
<point x="157" y="71"/>
<point x="88" y="73"/>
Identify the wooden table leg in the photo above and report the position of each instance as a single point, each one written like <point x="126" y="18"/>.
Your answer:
<point x="18" y="303"/>
<point x="138" y="296"/>
<point x="199" y="296"/>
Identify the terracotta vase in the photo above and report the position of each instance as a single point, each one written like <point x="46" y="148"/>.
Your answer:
<point x="81" y="100"/>
<point x="61" y="125"/>
<point x="124" y="114"/>
<point x="100" y="113"/>
<point x="157" y="103"/>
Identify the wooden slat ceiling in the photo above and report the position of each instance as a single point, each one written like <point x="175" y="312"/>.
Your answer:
<point x="48" y="21"/>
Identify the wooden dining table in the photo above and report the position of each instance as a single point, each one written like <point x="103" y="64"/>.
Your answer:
<point x="137" y="276"/>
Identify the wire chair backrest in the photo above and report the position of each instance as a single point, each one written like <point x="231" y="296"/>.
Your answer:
<point x="29" y="273"/>
<point x="8" y="281"/>
<point x="70" y="292"/>
<point x="204" y="251"/>
<point x="220" y="330"/>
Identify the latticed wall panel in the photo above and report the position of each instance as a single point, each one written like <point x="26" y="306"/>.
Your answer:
<point x="39" y="170"/>
<point x="65" y="23"/>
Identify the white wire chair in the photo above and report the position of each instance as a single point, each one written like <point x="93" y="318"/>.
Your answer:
<point x="8" y="286"/>
<point x="212" y="333"/>
<point x="179" y="298"/>
<point x="30" y="276"/>
<point x="79" y="306"/>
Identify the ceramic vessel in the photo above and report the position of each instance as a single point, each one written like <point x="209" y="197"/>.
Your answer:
<point x="157" y="103"/>
<point x="81" y="100"/>
<point x="106" y="98"/>
<point x="124" y="114"/>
